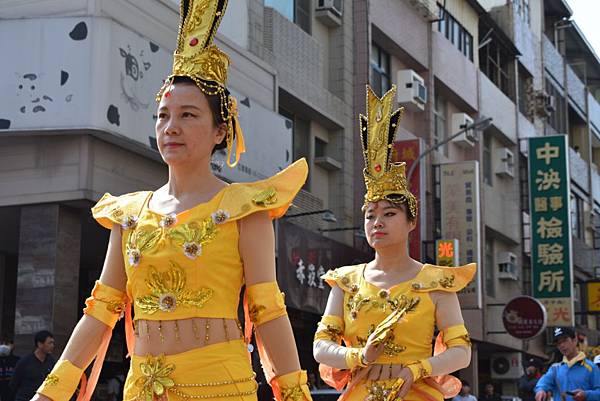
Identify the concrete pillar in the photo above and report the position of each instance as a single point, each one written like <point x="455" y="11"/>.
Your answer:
<point x="48" y="273"/>
<point x="470" y="373"/>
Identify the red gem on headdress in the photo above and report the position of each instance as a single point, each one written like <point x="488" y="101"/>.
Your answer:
<point x="378" y="168"/>
<point x="194" y="42"/>
<point x="168" y="93"/>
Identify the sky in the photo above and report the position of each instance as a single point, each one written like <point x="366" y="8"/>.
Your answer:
<point x="585" y="14"/>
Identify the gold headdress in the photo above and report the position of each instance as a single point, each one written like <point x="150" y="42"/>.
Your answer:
<point x="197" y="58"/>
<point x="378" y="130"/>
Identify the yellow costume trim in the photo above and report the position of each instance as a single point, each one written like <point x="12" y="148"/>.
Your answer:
<point x="441" y="278"/>
<point x="420" y="369"/>
<point x="266" y="302"/>
<point x="61" y="383"/>
<point x="122" y="210"/>
<point x="384" y="179"/>
<point x="354" y="358"/>
<point x="275" y="194"/>
<point x="105" y="304"/>
<point x="197" y="58"/>
<point x="330" y="328"/>
<point x="456" y="336"/>
<point x="344" y="277"/>
<point x="291" y="387"/>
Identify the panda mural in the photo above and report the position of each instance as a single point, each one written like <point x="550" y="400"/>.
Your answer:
<point x="73" y="73"/>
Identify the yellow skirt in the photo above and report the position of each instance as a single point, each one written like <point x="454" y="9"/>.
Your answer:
<point x="216" y="372"/>
<point x="371" y="390"/>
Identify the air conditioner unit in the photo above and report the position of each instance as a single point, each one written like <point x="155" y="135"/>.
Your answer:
<point x="330" y="12"/>
<point x="545" y="104"/>
<point x="412" y="91"/>
<point x="507" y="366"/>
<point x="505" y="163"/>
<point x="459" y="122"/>
<point x="507" y="266"/>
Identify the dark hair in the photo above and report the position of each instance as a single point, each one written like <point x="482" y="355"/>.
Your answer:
<point x="465" y="383"/>
<point x="399" y="202"/>
<point x="214" y="102"/>
<point x="41" y="337"/>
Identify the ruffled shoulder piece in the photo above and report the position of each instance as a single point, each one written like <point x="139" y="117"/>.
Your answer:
<point x="345" y="277"/>
<point x="123" y="210"/>
<point x="442" y="278"/>
<point x="274" y="194"/>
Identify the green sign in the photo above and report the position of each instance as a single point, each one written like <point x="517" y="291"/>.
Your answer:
<point x="551" y="227"/>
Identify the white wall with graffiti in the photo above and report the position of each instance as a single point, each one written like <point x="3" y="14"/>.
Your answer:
<point x="74" y="73"/>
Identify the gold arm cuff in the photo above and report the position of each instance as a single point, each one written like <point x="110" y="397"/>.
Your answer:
<point x="61" y="383"/>
<point x="291" y="387"/>
<point x="456" y="336"/>
<point x="354" y="358"/>
<point x="420" y="369"/>
<point x="105" y="304"/>
<point x="330" y="328"/>
<point x="265" y="302"/>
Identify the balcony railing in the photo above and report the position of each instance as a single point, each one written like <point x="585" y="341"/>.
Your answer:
<point x="553" y="61"/>
<point x="594" y="111"/>
<point x="576" y="89"/>
<point x="596" y="183"/>
<point x="579" y="169"/>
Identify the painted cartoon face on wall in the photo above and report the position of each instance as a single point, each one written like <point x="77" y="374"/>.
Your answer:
<point x="131" y="76"/>
<point x="33" y="101"/>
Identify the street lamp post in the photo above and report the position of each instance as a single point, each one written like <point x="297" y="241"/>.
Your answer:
<point x="478" y="125"/>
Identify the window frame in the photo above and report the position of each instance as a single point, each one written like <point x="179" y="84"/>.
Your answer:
<point x="377" y="70"/>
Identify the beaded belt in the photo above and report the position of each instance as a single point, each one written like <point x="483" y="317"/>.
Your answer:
<point x="175" y="389"/>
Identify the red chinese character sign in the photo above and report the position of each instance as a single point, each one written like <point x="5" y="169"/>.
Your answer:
<point x="408" y="151"/>
<point x="524" y="317"/>
<point x="551" y="259"/>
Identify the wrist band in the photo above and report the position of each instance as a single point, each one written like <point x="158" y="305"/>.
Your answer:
<point x="61" y="383"/>
<point x="354" y="358"/>
<point x="420" y="369"/>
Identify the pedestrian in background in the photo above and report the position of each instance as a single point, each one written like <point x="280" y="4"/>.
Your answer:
<point x="489" y="393"/>
<point x="465" y="393"/>
<point x="527" y="382"/>
<point x="32" y="369"/>
<point x="8" y="362"/>
<point x="575" y="378"/>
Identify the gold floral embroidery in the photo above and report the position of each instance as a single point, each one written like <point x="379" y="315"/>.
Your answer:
<point x="129" y="222"/>
<point x="139" y="242"/>
<point x="333" y="333"/>
<point x="155" y="379"/>
<point x="255" y="310"/>
<point x="220" y="216"/>
<point x="51" y="380"/>
<point x="167" y="291"/>
<point x="191" y="237"/>
<point x="266" y="197"/>
<point x="444" y="282"/>
<point x="378" y="391"/>
<point x="389" y="347"/>
<point x="356" y="303"/>
<point x="292" y="393"/>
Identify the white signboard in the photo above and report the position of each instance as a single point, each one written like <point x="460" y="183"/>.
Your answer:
<point x="460" y="219"/>
<point x="268" y="144"/>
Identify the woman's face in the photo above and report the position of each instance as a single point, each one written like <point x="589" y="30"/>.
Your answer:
<point x="185" y="129"/>
<point x="387" y="225"/>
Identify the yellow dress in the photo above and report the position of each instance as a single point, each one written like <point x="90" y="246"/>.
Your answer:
<point x="188" y="265"/>
<point x="366" y="305"/>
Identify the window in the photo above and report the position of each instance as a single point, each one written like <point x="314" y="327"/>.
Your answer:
<point x="557" y="119"/>
<point x="576" y="216"/>
<point x="490" y="287"/>
<point x="297" y="11"/>
<point x="522" y="10"/>
<point x="320" y="147"/>
<point x="300" y="137"/>
<point x="439" y="111"/>
<point x="455" y="32"/>
<point x="495" y="62"/>
<point x="525" y="88"/>
<point x="487" y="158"/>
<point x="380" y="70"/>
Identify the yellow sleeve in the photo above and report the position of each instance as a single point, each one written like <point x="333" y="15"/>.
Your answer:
<point x="442" y="278"/>
<point x="123" y="210"/>
<point x="275" y="194"/>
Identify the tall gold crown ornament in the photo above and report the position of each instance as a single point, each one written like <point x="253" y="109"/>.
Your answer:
<point x="197" y="58"/>
<point x="384" y="179"/>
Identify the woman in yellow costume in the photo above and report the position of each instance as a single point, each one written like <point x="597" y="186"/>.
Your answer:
<point x="181" y="254"/>
<point x="386" y="311"/>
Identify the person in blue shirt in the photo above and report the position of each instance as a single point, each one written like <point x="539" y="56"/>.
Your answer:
<point x="576" y="378"/>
